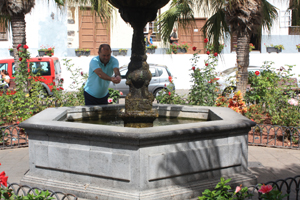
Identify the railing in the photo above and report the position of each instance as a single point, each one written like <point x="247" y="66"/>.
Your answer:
<point x="274" y="136"/>
<point x="13" y="136"/>
<point x="24" y="190"/>
<point x="290" y="186"/>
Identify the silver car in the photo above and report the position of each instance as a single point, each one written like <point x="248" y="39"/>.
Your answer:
<point x="161" y="76"/>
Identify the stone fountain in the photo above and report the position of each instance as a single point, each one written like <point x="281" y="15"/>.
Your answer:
<point x="166" y="162"/>
<point x="138" y="103"/>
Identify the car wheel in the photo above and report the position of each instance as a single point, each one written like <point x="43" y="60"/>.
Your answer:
<point x="229" y="92"/>
<point x="43" y="93"/>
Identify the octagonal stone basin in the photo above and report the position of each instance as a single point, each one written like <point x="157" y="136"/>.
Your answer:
<point x="164" y="162"/>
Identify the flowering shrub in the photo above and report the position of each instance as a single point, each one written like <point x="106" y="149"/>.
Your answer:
<point x="271" y="92"/>
<point x="223" y="191"/>
<point x="237" y="103"/>
<point x="298" y="46"/>
<point x="114" y="95"/>
<point x="270" y="193"/>
<point x="169" y="96"/>
<point x="204" y="90"/>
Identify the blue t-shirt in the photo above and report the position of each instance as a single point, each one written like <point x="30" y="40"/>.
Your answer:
<point x="95" y="86"/>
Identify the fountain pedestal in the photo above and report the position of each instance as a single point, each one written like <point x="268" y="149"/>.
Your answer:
<point x="165" y="162"/>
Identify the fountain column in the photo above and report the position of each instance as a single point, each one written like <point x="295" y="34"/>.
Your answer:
<point x="138" y="103"/>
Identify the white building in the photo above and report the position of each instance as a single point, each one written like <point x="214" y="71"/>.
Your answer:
<point x="67" y="29"/>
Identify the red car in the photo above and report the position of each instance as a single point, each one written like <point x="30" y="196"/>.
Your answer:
<point x="49" y="66"/>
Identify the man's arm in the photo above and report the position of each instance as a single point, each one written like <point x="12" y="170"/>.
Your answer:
<point x="102" y="75"/>
<point x="117" y="75"/>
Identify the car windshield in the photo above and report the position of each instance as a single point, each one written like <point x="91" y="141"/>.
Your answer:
<point x="229" y="70"/>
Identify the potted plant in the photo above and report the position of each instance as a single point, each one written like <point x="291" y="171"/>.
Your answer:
<point x="184" y="47"/>
<point x="79" y="52"/>
<point x="275" y="48"/>
<point x="210" y="48"/>
<point x="151" y="48"/>
<point x="11" y="52"/>
<point x="174" y="48"/>
<point x="298" y="47"/>
<point x="251" y="47"/>
<point x="120" y="52"/>
<point x="87" y="52"/>
<point x="46" y="51"/>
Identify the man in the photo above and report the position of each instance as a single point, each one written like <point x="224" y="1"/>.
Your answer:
<point x="173" y="37"/>
<point x="101" y="69"/>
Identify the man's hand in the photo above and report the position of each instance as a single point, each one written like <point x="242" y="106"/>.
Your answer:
<point x="116" y="79"/>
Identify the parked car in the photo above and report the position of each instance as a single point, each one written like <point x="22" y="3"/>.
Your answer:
<point x="227" y="79"/>
<point x="49" y="67"/>
<point x="161" y="77"/>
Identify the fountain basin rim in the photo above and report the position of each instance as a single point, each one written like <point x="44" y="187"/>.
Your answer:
<point x="228" y="120"/>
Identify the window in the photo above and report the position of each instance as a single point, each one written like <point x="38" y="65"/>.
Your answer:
<point x="3" y="66"/>
<point x="285" y="18"/>
<point x="153" y="71"/>
<point x="57" y="67"/>
<point x="43" y="68"/>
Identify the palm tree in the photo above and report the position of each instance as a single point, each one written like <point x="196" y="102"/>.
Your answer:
<point x="12" y="14"/>
<point x="242" y="17"/>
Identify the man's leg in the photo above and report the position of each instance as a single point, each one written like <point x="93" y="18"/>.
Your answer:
<point x="90" y="100"/>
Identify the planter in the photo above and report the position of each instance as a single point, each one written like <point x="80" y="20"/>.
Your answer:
<point x="183" y="50"/>
<point x="42" y="53"/>
<point x="151" y="51"/>
<point x="273" y="49"/>
<point x="179" y="50"/>
<point x="11" y="53"/>
<point x="79" y="53"/>
<point x="298" y="49"/>
<point x="87" y="53"/>
<point x="117" y="52"/>
<point x="123" y="52"/>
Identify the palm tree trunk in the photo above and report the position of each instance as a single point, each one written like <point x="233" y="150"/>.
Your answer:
<point x="242" y="61"/>
<point x="18" y="27"/>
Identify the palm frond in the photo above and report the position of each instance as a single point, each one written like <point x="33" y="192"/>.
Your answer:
<point x="102" y="8"/>
<point x="269" y="14"/>
<point x="216" y="28"/>
<point x="181" y="12"/>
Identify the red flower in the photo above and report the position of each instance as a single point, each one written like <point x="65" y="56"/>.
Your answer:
<point x="20" y="59"/>
<point x="25" y="46"/>
<point x="215" y="54"/>
<point x="206" y="64"/>
<point x="19" y="45"/>
<point x="57" y="89"/>
<point x="61" y="80"/>
<point x="194" y="48"/>
<point x="61" y="88"/>
<point x="3" y="179"/>
<point x="256" y="73"/>
<point x="52" y="54"/>
<point x="169" y="93"/>
<point x="193" y="68"/>
<point x="252" y="120"/>
<point x="81" y="73"/>
<point x="170" y="79"/>
<point x="50" y="49"/>
<point x="205" y="40"/>
<point x="207" y="52"/>
<point x="265" y="189"/>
